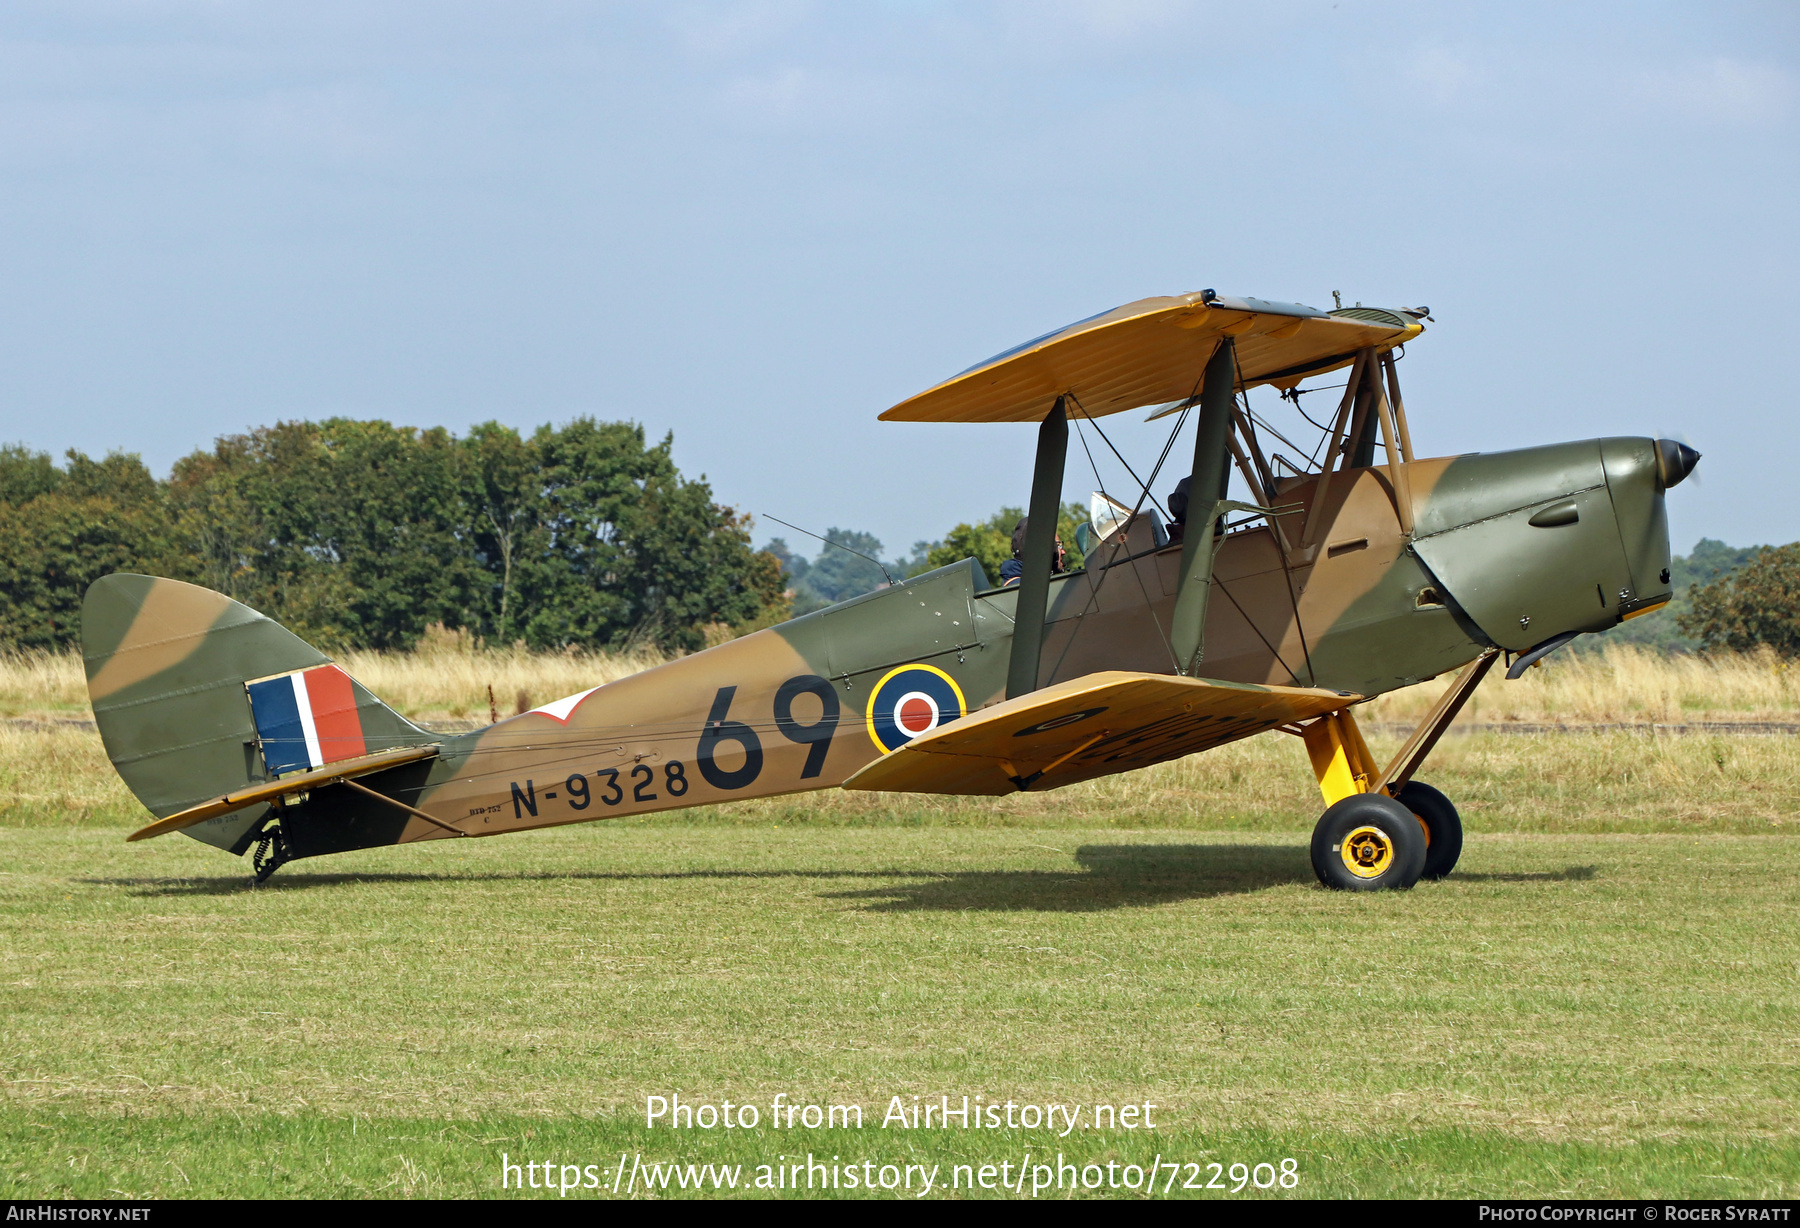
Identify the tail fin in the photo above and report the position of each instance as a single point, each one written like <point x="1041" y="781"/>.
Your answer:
<point x="196" y="695"/>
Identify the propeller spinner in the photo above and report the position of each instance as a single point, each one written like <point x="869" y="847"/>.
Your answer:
<point x="1674" y="461"/>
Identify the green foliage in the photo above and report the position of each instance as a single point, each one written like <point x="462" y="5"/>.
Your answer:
<point x="352" y="533"/>
<point x="837" y="573"/>
<point x="1757" y="605"/>
<point x="362" y="534"/>
<point x="24" y="474"/>
<point x="625" y="547"/>
<point x="62" y="529"/>
<point x="1709" y="561"/>
<point x="1662" y="629"/>
<point x="989" y="542"/>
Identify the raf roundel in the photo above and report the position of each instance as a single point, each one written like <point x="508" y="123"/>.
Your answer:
<point x="910" y="701"/>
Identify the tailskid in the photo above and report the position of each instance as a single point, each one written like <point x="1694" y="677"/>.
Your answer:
<point x="271" y="852"/>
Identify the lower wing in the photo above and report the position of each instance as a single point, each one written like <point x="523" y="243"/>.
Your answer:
<point x="1092" y="726"/>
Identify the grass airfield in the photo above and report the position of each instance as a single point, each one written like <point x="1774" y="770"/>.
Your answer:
<point x="1604" y="999"/>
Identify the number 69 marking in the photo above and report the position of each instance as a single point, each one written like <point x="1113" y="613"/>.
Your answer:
<point x="719" y="728"/>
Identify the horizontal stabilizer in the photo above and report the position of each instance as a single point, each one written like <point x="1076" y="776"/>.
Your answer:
<point x="1092" y="726"/>
<point x="241" y="799"/>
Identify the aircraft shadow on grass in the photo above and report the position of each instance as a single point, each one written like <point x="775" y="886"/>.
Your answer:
<point x="1573" y="874"/>
<point x="1108" y="876"/>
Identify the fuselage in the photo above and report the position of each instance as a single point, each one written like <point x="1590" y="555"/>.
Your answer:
<point x="1507" y="550"/>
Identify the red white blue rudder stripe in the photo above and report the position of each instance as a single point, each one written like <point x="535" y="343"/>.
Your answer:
<point x="307" y="719"/>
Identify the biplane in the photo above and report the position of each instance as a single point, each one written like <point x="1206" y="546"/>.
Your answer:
<point x="1349" y="571"/>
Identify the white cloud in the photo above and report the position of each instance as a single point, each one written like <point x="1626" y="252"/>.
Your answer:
<point x="777" y="94"/>
<point x="1117" y="19"/>
<point x="1721" y="90"/>
<point x="724" y="31"/>
<point x="1443" y="73"/>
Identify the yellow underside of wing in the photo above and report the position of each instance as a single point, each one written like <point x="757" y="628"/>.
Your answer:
<point x="243" y="798"/>
<point x="1092" y="726"/>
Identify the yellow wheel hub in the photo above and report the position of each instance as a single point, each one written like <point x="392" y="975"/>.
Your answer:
<point x="1367" y="852"/>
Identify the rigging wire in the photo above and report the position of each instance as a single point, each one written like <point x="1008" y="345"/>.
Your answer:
<point x="1098" y="430"/>
<point x="1270" y="427"/>
<point x="1266" y="494"/>
<point x="1244" y="614"/>
<point x="1329" y="436"/>
<point x="1292" y="396"/>
<point x="1312" y="676"/>
<point x="1279" y="540"/>
<point x="840" y="545"/>
<point x="1106" y="572"/>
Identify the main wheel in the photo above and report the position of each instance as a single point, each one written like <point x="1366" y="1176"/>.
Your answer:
<point x="1368" y="842"/>
<point x="1443" y="827"/>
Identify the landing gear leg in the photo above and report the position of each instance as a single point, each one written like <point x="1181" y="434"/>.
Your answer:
<point x="1354" y="847"/>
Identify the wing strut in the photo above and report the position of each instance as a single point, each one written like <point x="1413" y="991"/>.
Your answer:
<point x="1040" y="548"/>
<point x="1206" y="494"/>
<point x="1335" y="443"/>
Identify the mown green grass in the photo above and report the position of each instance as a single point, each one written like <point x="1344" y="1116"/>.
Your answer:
<point x="309" y="1155"/>
<point x="1576" y="1014"/>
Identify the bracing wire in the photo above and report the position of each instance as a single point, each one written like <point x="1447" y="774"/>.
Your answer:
<point x="840" y="545"/>
<point x="1098" y="430"/>
<point x="1264" y="423"/>
<point x="1143" y="492"/>
<point x="1292" y="396"/>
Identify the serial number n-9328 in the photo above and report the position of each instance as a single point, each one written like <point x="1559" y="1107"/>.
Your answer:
<point x="609" y="787"/>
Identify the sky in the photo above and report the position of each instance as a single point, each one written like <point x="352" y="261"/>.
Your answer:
<point x="757" y="225"/>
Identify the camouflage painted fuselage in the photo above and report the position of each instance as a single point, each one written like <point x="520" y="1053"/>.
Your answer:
<point x="1366" y="609"/>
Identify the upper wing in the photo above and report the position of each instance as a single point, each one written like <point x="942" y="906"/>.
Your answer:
<point x="1093" y="726"/>
<point x="1152" y="351"/>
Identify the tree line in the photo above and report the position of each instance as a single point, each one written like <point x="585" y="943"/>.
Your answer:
<point x="362" y="534"/>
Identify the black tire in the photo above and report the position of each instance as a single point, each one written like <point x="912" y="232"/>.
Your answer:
<point x="1443" y="827"/>
<point x="1368" y="842"/>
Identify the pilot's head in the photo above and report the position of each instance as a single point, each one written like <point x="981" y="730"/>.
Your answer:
<point x="1178" y="500"/>
<point x="1018" y="544"/>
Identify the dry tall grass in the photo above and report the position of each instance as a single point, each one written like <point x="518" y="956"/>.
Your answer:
<point x="1626" y="781"/>
<point x="448" y="676"/>
<point x="60" y="777"/>
<point x="1623" y="683"/>
<point x="33" y="683"/>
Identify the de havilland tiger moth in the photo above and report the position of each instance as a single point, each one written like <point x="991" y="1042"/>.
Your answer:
<point x="1358" y="571"/>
